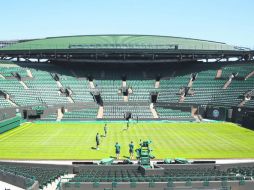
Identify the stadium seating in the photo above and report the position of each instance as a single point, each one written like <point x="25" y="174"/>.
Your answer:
<point x="88" y="113"/>
<point x="43" y="89"/>
<point x="43" y="175"/>
<point x="4" y="103"/>
<point x="140" y="90"/>
<point x="80" y="89"/>
<point x="109" y="90"/>
<point x="173" y="114"/>
<point x="132" y="175"/>
<point x="118" y="111"/>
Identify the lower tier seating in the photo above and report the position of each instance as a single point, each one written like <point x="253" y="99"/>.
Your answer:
<point x="231" y="174"/>
<point x="43" y="175"/>
<point x="88" y="113"/>
<point x="168" y="113"/>
<point x="118" y="112"/>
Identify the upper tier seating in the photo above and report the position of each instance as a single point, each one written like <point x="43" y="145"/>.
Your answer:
<point x="80" y="88"/>
<point x="140" y="90"/>
<point x="43" y="89"/>
<point x="109" y="90"/>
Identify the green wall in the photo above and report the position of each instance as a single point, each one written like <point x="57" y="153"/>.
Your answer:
<point x="9" y="124"/>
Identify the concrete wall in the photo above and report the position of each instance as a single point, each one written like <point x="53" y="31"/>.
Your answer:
<point x="233" y="185"/>
<point x="17" y="180"/>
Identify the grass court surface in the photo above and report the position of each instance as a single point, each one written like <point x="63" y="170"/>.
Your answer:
<point x="170" y="140"/>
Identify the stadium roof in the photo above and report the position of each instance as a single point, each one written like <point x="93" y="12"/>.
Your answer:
<point x="118" y="42"/>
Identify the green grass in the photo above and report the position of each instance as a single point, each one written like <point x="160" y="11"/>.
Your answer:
<point x="170" y="140"/>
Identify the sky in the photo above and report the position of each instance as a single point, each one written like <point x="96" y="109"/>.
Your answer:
<point x="230" y="21"/>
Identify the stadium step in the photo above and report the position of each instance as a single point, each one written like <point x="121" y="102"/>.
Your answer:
<point x="91" y="84"/>
<point x="227" y="84"/>
<point x="198" y="118"/>
<point x="59" y="84"/>
<point x="12" y="103"/>
<point x="157" y="84"/>
<point x="242" y="103"/>
<point x="29" y="73"/>
<point x="1" y="76"/>
<point x="125" y="98"/>
<point x="190" y="83"/>
<point x="181" y="98"/>
<point x="219" y="73"/>
<point x="249" y="75"/>
<point x="100" y="112"/>
<point x="59" y="115"/>
<point x="154" y="112"/>
<point x="54" y="184"/>
<point x="70" y="99"/>
<point x="23" y="84"/>
<point x="245" y="100"/>
<point x="124" y="84"/>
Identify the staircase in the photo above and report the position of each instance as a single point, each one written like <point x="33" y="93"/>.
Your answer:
<point x="1" y="76"/>
<point x="198" y="118"/>
<point x="59" y="115"/>
<point x="124" y="84"/>
<point x="91" y="84"/>
<point x="157" y="84"/>
<point x="154" y="112"/>
<point x="181" y="99"/>
<point x="23" y="84"/>
<point x="70" y="99"/>
<point x="242" y="103"/>
<point x="61" y="179"/>
<point x="190" y="83"/>
<point x="245" y="100"/>
<point x="219" y="73"/>
<point x="12" y="103"/>
<point x="29" y="73"/>
<point x="100" y="112"/>
<point x="249" y="75"/>
<point x="227" y="84"/>
<point x="59" y="84"/>
<point x="125" y="98"/>
<point x="194" y="114"/>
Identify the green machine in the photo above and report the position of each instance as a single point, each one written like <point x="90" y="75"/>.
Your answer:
<point x="144" y="153"/>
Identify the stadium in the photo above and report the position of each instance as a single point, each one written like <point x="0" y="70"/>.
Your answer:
<point x="68" y="102"/>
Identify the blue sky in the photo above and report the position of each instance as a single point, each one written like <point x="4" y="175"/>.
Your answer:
<point x="229" y="21"/>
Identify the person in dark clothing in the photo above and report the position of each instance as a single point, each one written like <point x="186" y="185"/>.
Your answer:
<point x="105" y="129"/>
<point x="97" y="141"/>
<point x="131" y="149"/>
<point x="117" y="147"/>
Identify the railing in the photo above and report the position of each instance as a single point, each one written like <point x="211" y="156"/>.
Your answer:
<point x="169" y="180"/>
<point x="122" y="46"/>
